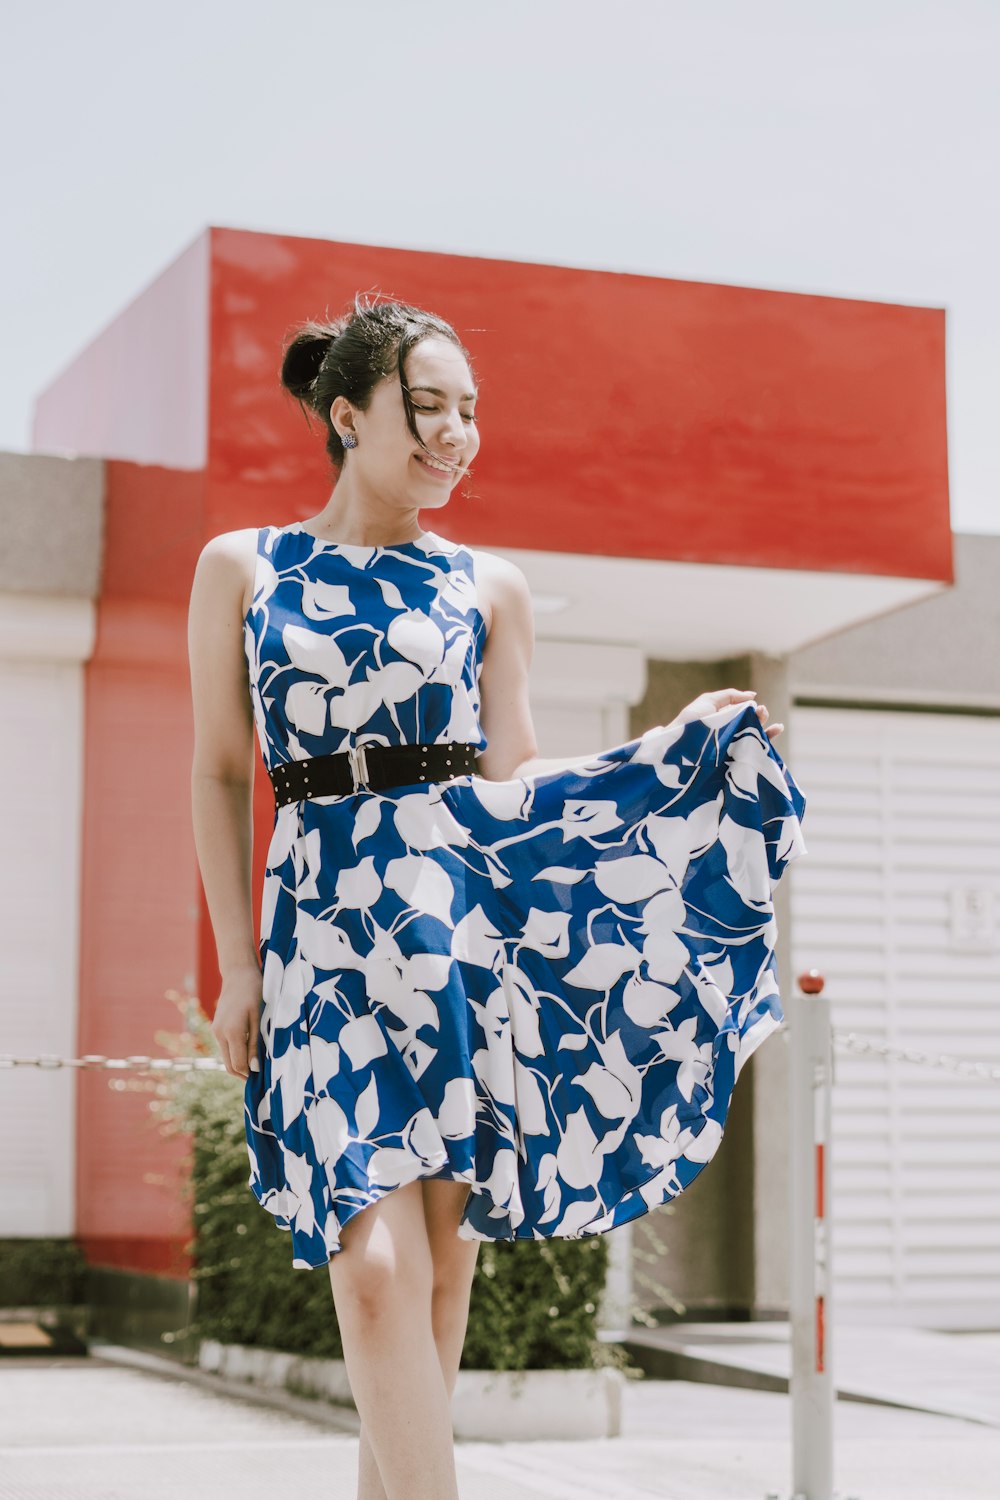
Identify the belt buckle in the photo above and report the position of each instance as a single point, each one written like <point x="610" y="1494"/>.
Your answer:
<point x="359" y="767"/>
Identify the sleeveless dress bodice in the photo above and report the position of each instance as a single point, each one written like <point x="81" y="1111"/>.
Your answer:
<point x="350" y="644"/>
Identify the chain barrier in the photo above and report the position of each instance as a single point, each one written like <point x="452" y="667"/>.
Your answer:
<point x="854" y="1043"/>
<point x="98" y="1060"/>
<point x="849" y="1041"/>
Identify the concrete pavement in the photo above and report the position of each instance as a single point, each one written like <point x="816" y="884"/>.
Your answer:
<point x="954" y="1374"/>
<point x="119" y="1426"/>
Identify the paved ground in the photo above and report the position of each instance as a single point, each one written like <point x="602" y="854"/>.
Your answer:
<point x="951" y="1374"/>
<point x="99" y="1429"/>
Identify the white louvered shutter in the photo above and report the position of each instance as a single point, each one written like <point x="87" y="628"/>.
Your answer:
<point x="898" y="904"/>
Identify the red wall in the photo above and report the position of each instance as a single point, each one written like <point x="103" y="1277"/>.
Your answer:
<point x="620" y="415"/>
<point x="141" y="913"/>
<point x="144" y="920"/>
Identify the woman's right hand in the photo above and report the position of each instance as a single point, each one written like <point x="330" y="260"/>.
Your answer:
<point x="236" y="1023"/>
<point x="710" y="703"/>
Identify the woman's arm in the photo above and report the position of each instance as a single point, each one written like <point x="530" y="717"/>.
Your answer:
<point x="505" y="712"/>
<point x="222" y="782"/>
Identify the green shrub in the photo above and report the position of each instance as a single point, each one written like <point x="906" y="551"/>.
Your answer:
<point x="534" y="1303"/>
<point x="41" y="1273"/>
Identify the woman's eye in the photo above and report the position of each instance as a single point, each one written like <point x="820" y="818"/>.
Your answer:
<point x="434" y="408"/>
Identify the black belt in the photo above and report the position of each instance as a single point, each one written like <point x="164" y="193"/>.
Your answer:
<point x="370" y="768"/>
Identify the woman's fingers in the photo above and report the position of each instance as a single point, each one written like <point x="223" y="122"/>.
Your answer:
<point x="233" y="1050"/>
<point x="224" y="1050"/>
<point x="716" y="698"/>
<point x="721" y="696"/>
<point x="764" y="715"/>
<point x="238" y="1051"/>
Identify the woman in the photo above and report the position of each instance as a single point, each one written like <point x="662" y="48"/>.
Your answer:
<point x="495" y="996"/>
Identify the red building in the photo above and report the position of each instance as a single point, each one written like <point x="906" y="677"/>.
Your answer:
<point x="697" y="480"/>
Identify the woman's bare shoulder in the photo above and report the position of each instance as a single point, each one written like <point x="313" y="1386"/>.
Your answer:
<point x="228" y="561"/>
<point x="501" y="584"/>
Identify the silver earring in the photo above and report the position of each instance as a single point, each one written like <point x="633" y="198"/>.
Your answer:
<point x="349" y="440"/>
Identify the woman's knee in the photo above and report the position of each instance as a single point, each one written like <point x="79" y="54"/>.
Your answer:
<point x="385" y="1258"/>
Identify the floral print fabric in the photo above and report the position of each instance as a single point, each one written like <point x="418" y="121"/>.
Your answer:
<point x="543" y="987"/>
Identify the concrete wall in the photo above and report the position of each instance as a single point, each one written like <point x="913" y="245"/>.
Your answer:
<point x="52" y="525"/>
<point x="943" y="650"/>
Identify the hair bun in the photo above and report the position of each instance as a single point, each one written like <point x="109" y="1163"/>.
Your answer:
<point x="303" y="357"/>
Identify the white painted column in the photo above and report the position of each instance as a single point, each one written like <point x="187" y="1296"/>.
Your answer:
<point x="44" y="641"/>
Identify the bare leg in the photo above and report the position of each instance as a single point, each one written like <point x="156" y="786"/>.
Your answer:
<point x="453" y="1266"/>
<point x="382" y="1281"/>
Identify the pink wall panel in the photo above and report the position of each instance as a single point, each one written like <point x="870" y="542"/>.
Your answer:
<point x="139" y="390"/>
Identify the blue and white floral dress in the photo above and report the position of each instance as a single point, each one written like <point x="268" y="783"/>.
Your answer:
<point x="543" y="987"/>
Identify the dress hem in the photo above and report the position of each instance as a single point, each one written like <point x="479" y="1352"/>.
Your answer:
<point x="530" y="1231"/>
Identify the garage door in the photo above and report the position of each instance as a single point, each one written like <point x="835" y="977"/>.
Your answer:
<point x="898" y="904"/>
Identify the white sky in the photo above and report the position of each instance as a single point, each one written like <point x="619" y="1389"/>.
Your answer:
<point x="850" y="150"/>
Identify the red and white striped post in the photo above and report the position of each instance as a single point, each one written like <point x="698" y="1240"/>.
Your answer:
<point x="812" y="1389"/>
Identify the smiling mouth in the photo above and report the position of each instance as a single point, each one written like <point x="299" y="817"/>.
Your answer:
<point x="437" y="467"/>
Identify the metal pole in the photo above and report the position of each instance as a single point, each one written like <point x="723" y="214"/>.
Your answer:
<point x="812" y="1388"/>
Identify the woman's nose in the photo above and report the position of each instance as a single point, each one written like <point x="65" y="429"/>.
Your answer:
<point x="454" y="428"/>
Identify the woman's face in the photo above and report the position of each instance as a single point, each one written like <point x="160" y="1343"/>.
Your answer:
<point x="387" y="458"/>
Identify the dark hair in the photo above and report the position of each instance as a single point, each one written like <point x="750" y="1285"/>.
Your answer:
<point x="352" y="354"/>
